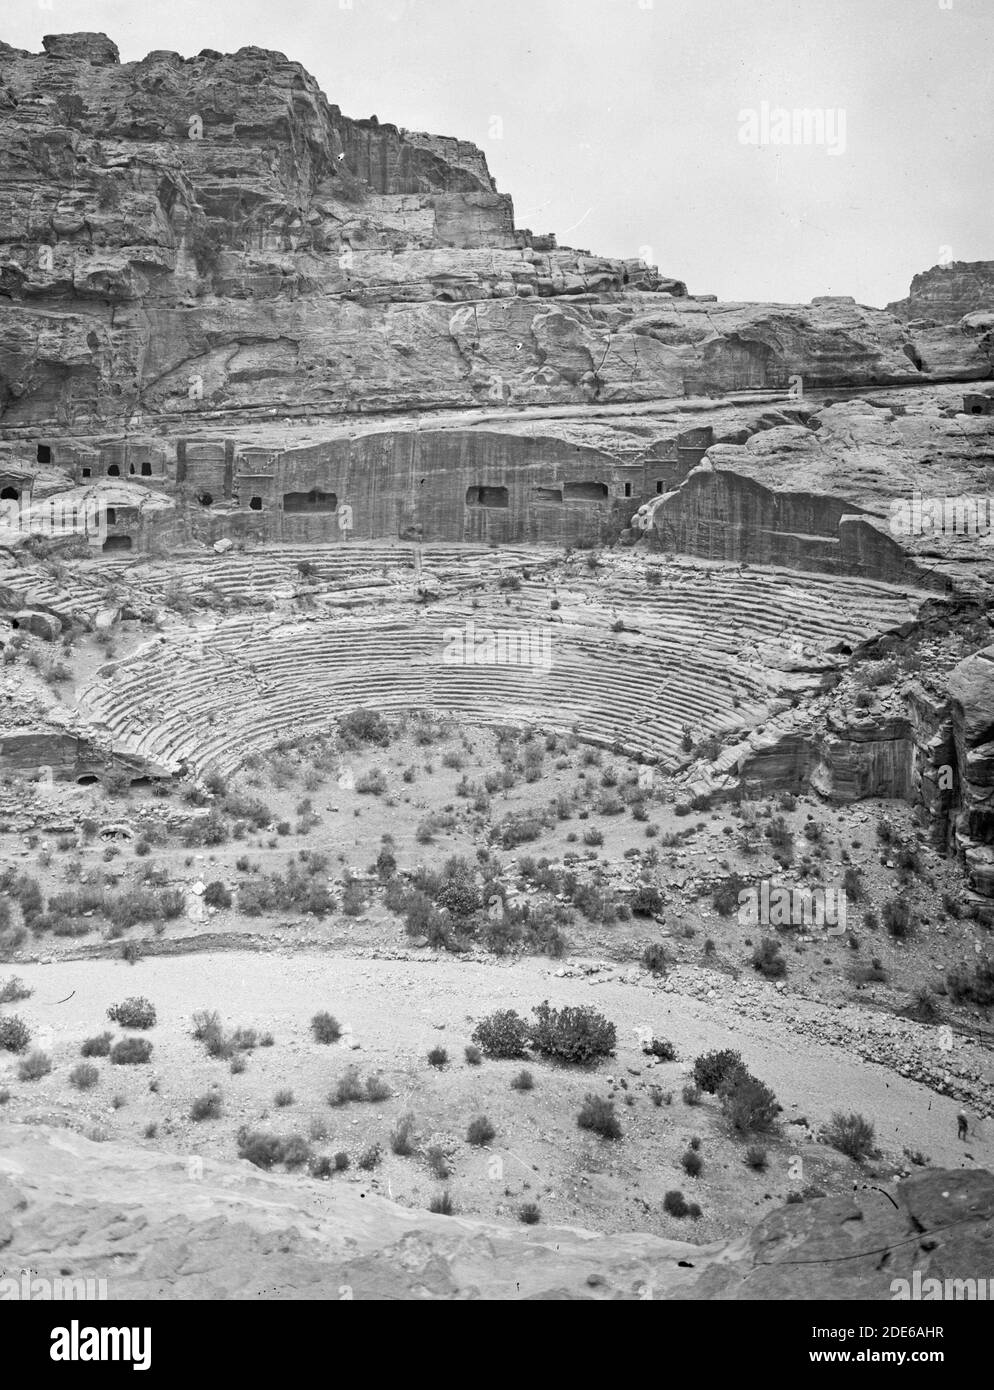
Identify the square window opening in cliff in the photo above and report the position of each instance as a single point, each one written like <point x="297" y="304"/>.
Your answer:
<point x="313" y="501"/>
<point x="117" y="543"/>
<point x="44" y="453"/>
<point x="113" y="471"/>
<point x="86" y="473"/>
<point x="131" y="470"/>
<point x="628" y="489"/>
<point x="548" y="494"/>
<point x="255" y="504"/>
<point x="586" y="492"/>
<point x="9" y="494"/>
<point x="659" y="486"/>
<point x="110" y="516"/>
<point x="146" y="470"/>
<point x="486" y="497"/>
<point x="206" y="499"/>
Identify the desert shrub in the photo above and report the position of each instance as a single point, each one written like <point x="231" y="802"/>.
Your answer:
<point x="402" y="1137"/>
<point x="972" y="986"/>
<point x="325" y="1028"/>
<point x="748" y="1104"/>
<point x="377" y="1089"/>
<point x="692" y="1163"/>
<point x="34" y="1066"/>
<point x="711" y="1068"/>
<point x="207" y="1106"/>
<point x="386" y="864"/>
<point x="503" y="1034"/>
<point x="296" y="1151"/>
<point x="351" y="1087"/>
<point x="363" y="726"/>
<point x="14" y="1034"/>
<point x="768" y="960"/>
<point x="371" y="783"/>
<point x="661" y="1048"/>
<point x="756" y="1158"/>
<point x="646" y="900"/>
<point x="342" y="1162"/>
<point x="438" y="1057"/>
<point x="283" y="1098"/>
<point x="529" y="1214"/>
<point x="924" y="1007"/>
<point x="135" y="1012"/>
<point x="656" y="958"/>
<point x="130" y="1052"/>
<point x="84" y="1076"/>
<point x="578" y="1035"/>
<point x="480" y="1131"/>
<point x="524" y="1081"/>
<point x="599" y="1115"/>
<point x="441" y="1204"/>
<point x="897" y="918"/>
<point x="262" y="1149"/>
<point x="725" y="897"/>
<point x="691" y="1095"/>
<point x="675" y="1204"/>
<point x="851" y="1134"/>
<point x="97" y="1047"/>
<point x="13" y="990"/>
<point x="216" y="894"/>
<point x="370" y="1158"/>
<point x="518" y="829"/>
<point x="473" y="1055"/>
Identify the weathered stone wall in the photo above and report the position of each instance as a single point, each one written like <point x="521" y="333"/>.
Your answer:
<point x="721" y="515"/>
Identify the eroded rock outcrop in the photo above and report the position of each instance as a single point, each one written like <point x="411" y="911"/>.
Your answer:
<point x="959" y="292"/>
<point x="229" y="1231"/>
<point x="182" y="235"/>
<point x="971" y="688"/>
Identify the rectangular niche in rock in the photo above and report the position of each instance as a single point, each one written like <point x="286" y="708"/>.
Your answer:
<point x="486" y="497"/>
<point x="313" y="501"/>
<point x="586" y="492"/>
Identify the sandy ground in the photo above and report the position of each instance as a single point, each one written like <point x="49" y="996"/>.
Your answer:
<point x="396" y="1010"/>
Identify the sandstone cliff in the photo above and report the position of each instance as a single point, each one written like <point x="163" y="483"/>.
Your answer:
<point x="182" y="236"/>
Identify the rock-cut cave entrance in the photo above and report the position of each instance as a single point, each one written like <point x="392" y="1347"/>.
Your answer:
<point x="313" y="501"/>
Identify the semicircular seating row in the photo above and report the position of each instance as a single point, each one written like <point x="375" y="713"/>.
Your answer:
<point x="691" y="656"/>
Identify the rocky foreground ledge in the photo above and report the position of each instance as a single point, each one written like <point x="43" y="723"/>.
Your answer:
<point x="188" y="1228"/>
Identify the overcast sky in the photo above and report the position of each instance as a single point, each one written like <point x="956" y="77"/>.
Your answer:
<point x="619" y="125"/>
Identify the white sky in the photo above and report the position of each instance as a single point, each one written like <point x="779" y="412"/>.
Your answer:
<point x="620" y="118"/>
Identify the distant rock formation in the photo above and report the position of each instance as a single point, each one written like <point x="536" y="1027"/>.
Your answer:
<point x="948" y="294"/>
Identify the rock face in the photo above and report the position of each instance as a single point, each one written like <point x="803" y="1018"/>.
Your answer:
<point x="184" y="235"/>
<point x="972" y="693"/>
<point x="229" y="1231"/>
<point x="961" y="292"/>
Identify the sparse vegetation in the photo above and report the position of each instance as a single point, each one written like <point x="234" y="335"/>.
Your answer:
<point x="136" y="1012"/>
<point x="480" y="1131"/>
<point x="599" y="1116"/>
<point x="851" y="1134"/>
<point x="34" y="1066"/>
<point x="326" y="1028"/>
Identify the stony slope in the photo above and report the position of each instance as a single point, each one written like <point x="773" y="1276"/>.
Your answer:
<point x="230" y="1231"/>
